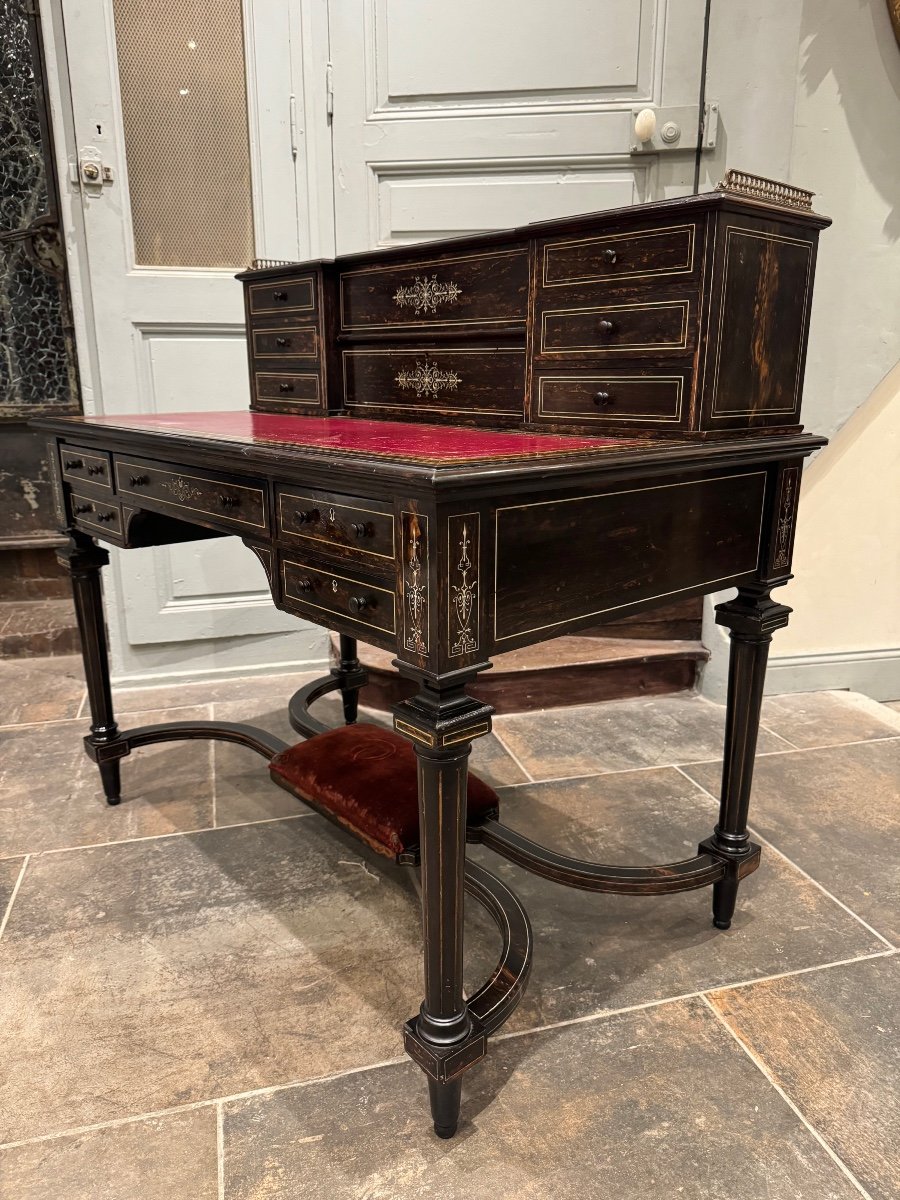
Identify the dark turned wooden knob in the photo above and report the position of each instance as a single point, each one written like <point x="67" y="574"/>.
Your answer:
<point x="229" y="501"/>
<point x="603" y="400"/>
<point x="360" y="530"/>
<point x="82" y="508"/>
<point x="138" y="481"/>
<point x="305" y="585"/>
<point x="307" y="517"/>
<point x="359" y="604"/>
<point x="608" y="256"/>
<point x="73" y="464"/>
<point x="279" y="296"/>
<point x="95" y="470"/>
<point x="105" y="516"/>
<point x="282" y="341"/>
<point x="606" y="326"/>
<point x="285" y="387"/>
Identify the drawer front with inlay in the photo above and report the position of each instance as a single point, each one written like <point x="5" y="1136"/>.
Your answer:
<point x="656" y="255"/>
<point x="486" y="289"/>
<point x="316" y="591"/>
<point x="299" y="342"/>
<point x="294" y="295"/>
<point x="652" y="398"/>
<point x="296" y="387"/>
<point x="448" y="381"/>
<point x="86" y="466"/>
<point x="346" y="526"/>
<point x="95" y="516"/>
<point x="659" y="327"/>
<point x="194" y="495"/>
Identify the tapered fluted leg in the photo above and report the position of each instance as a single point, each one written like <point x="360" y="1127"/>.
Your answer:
<point x="442" y="1039"/>
<point x="752" y="617"/>
<point x="352" y="678"/>
<point x="85" y="560"/>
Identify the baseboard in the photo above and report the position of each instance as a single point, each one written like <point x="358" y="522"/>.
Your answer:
<point x="168" y="678"/>
<point x="875" y="673"/>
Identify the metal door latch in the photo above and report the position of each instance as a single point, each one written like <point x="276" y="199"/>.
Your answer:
<point x="661" y="130"/>
<point x="90" y="172"/>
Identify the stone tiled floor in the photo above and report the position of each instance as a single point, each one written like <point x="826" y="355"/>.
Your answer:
<point x="201" y="991"/>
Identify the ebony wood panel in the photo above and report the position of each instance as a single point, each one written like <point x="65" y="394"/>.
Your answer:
<point x="297" y="387"/>
<point x="300" y="341"/>
<point x="487" y="289"/>
<point x="600" y="398"/>
<point x="653" y="254"/>
<point x="563" y="562"/>
<point x="452" y="381"/>
<point x="296" y="295"/>
<point x="607" y="330"/>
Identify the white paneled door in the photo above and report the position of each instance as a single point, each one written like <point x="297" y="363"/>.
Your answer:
<point x="192" y="159"/>
<point x="480" y="114"/>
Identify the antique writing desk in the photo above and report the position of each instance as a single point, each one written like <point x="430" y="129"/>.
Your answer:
<point x="457" y="449"/>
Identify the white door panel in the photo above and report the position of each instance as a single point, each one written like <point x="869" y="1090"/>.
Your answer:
<point x="451" y="118"/>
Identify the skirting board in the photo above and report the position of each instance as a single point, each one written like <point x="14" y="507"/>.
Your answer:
<point x="875" y="673"/>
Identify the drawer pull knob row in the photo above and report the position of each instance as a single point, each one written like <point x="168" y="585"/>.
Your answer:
<point x="609" y="256"/>
<point x="282" y="341"/>
<point x="603" y="400"/>
<point x="361" y="530"/>
<point x="229" y="501"/>
<point x="359" y="604"/>
<point x="82" y="508"/>
<point x="286" y="386"/>
<point x="96" y="470"/>
<point x="309" y="517"/>
<point x="73" y="464"/>
<point x="138" y="480"/>
<point x="606" y="326"/>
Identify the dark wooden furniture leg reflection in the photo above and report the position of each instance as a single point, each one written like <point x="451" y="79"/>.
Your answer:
<point x="441" y="722"/>
<point x="85" y="560"/>
<point x="751" y="617"/>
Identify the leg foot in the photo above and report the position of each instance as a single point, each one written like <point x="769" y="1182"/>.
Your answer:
<point x="724" y="901"/>
<point x="111" y="777"/>
<point x="445" y="1101"/>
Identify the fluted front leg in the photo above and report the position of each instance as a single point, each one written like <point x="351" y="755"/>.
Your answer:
<point x="752" y="617"/>
<point x="442" y="1038"/>
<point x="85" y="560"/>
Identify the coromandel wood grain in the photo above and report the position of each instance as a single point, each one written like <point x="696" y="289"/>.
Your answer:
<point x="452" y="451"/>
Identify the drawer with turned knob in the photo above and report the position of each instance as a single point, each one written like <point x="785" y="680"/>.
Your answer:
<point x="199" y="497"/>
<point x="312" y="589"/>
<point x="655" y="399"/>
<point x="345" y="527"/>
<point x="95" y="516"/>
<point x="85" y="466"/>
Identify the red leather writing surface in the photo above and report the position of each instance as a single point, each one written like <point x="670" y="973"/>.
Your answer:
<point x="433" y="445"/>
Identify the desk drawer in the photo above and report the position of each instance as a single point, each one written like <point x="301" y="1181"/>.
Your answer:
<point x="458" y="380"/>
<point x="298" y="341"/>
<point x="316" y="591"/>
<point x="656" y="397"/>
<point x="194" y="495"/>
<point x="658" y="327"/>
<point x="657" y="255"/>
<point x="294" y="387"/>
<point x="474" y="289"/>
<point x="345" y="526"/>
<point x="86" y="466"/>
<point x="95" y="516"/>
<point x="296" y="295"/>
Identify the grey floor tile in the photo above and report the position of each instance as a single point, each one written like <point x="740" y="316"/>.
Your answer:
<point x="50" y="793"/>
<point x="619" y="735"/>
<point x="831" y="1038"/>
<point x="148" y="974"/>
<point x="10" y="869"/>
<point x="836" y="813"/>
<point x="657" y="1103"/>
<point x="810" y="719"/>
<point x="40" y="689"/>
<point x="248" y="689"/>
<point x="162" y="1158"/>
<point x="595" y="952"/>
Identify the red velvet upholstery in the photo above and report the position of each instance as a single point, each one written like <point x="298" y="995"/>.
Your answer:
<point x="365" y="777"/>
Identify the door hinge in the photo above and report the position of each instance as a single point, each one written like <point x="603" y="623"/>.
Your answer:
<point x="329" y="91"/>
<point x="295" y="143"/>
<point x="664" y="130"/>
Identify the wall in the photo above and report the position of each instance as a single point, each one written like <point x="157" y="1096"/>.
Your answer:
<point x="843" y="115"/>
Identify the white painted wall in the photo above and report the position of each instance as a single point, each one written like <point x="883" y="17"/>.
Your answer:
<point x="810" y="92"/>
